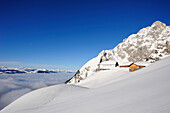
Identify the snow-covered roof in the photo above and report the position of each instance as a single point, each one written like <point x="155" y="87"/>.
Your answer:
<point x="125" y="63"/>
<point x="137" y="63"/>
<point x="108" y="62"/>
<point x="143" y="63"/>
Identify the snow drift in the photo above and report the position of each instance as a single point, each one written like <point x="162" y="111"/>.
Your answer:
<point x="143" y="91"/>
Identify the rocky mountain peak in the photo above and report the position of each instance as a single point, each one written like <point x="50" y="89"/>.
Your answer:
<point x="158" y="24"/>
<point x="149" y="44"/>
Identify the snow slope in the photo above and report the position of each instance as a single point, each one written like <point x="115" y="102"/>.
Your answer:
<point x="143" y="91"/>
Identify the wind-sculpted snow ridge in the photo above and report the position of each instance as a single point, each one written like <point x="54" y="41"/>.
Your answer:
<point x="150" y="44"/>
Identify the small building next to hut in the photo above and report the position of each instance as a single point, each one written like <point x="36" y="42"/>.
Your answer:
<point x="133" y="67"/>
<point x="108" y="65"/>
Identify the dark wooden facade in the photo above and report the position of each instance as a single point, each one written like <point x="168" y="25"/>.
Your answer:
<point x="132" y="67"/>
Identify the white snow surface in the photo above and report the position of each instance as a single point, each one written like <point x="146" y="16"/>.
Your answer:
<point x="116" y="91"/>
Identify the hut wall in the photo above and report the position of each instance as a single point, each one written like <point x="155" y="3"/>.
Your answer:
<point x="124" y="66"/>
<point x="133" y="67"/>
<point x="106" y="66"/>
<point x="141" y="67"/>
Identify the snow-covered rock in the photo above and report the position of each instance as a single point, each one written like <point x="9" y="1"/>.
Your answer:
<point x="148" y="45"/>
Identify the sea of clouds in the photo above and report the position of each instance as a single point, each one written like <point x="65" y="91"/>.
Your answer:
<point x="13" y="86"/>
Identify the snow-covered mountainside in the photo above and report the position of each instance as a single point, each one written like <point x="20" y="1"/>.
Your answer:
<point x="149" y="44"/>
<point x="143" y="91"/>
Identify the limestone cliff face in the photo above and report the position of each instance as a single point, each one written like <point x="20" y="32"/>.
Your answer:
<point x="149" y="44"/>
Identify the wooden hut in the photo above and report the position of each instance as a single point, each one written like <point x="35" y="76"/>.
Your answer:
<point x="132" y="67"/>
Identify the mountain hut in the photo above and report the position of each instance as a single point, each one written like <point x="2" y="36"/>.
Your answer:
<point x="133" y="67"/>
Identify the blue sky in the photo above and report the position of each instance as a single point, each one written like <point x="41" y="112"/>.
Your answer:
<point x="65" y="34"/>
